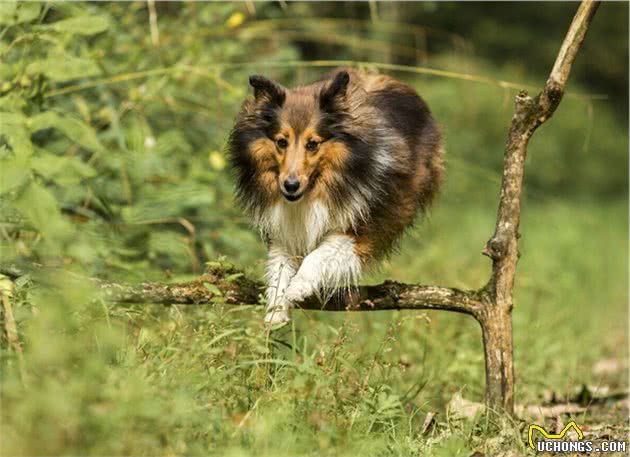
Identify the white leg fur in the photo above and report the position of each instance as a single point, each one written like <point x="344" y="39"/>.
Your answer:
<point x="332" y="265"/>
<point x="280" y="269"/>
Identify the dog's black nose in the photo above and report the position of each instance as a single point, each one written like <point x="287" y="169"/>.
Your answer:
<point x="291" y="185"/>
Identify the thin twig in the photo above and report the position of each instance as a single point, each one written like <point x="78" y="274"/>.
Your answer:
<point x="123" y="77"/>
<point x="10" y="326"/>
<point x="153" y="25"/>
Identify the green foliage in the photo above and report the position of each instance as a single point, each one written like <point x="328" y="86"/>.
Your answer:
<point x="131" y="166"/>
<point x="112" y="165"/>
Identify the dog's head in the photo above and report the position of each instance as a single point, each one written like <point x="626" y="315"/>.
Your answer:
<point x="290" y="140"/>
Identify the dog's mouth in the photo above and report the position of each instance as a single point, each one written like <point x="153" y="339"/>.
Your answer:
<point x="293" y="197"/>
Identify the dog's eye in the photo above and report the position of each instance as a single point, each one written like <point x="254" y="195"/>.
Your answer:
<point x="312" y="145"/>
<point x="282" y="143"/>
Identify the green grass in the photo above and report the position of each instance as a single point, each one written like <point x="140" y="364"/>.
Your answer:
<point x="198" y="380"/>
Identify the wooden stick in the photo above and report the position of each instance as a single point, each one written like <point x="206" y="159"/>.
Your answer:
<point x="228" y="284"/>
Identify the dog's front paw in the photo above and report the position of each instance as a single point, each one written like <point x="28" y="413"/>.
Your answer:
<point x="298" y="290"/>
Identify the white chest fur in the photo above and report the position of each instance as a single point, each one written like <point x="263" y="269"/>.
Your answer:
<point x="298" y="227"/>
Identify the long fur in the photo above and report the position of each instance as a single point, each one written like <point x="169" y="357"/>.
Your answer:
<point x="378" y="162"/>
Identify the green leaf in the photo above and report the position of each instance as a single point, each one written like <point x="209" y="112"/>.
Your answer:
<point x="81" y="169"/>
<point x="16" y="13"/>
<point x="10" y="120"/>
<point x="82" y="25"/>
<point x="8" y="13"/>
<point x="234" y="277"/>
<point x="73" y="128"/>
<point x="13" y="129"/>
<point x="27" y="11"/>
<point x="63" y="170"/>
<point x="48" y="165"/>
<point x="40" y="207"/>
<point x="15" y="171"/>
<point x="11" y="102"/>
<point x="214" y="289"/>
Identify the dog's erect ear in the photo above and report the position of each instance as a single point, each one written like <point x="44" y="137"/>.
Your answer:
<point x="266" y="89"/>
<point x="336" y="90"/>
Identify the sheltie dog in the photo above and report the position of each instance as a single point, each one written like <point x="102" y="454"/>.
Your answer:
<point x="331" y="173"/>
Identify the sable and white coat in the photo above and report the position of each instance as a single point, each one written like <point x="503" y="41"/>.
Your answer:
<point x="332" y="174"/>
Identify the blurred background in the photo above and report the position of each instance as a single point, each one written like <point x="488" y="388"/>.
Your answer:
<point x="113" y="122"/>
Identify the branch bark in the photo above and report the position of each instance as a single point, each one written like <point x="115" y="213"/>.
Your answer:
<point x="490" y="305"/>
<point x="228" y="284"/>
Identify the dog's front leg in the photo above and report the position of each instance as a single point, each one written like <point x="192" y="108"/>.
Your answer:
<point x="280" y="269"/>
<point x="333" y="265"/>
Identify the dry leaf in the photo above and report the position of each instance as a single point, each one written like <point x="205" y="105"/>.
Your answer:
<point x="460" y="408"/>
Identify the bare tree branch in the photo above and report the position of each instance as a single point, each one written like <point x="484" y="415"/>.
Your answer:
<point x="502" y="248"/>
<point x="230" y="285"/>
